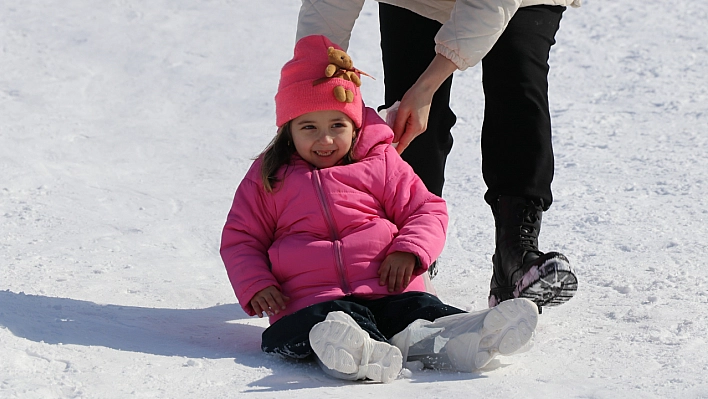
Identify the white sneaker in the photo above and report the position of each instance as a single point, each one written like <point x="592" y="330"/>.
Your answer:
<point x="345" y="350"/>
<point x="507" y="329"/>
<point x="469" y="341"/>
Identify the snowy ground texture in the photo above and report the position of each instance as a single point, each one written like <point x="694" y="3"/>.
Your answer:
<point x="125" y="127"/>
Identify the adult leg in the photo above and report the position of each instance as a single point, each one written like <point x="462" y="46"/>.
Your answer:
<point x="517" y="159"/>
<point x="517" y="153"/>
<point x="408" y="47"/>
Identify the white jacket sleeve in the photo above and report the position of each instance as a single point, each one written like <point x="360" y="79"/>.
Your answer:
<point x="332" y="18"/>
<point x="473" y="28"/>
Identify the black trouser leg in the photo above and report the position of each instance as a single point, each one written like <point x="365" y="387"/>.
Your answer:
<point x="517" y="153"/>
<point x="408" y="47"/>
<point x="394" y="313"/>
<point x="290" y="336"/>
<point x="381" y="318"/>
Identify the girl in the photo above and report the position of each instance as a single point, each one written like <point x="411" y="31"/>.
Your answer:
<point x="330" y="233"/>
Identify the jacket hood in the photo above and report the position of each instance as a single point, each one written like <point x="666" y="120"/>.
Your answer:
<point x="374" y="131"/>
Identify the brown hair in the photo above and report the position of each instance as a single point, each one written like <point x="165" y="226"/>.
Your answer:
<point x="280" y="151"/>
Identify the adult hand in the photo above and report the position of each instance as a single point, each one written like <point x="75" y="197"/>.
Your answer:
<point x="412" y="116"/>
<point x="413" y="112"/>
<point x="269" y="300"/>
<point x="396" y="270"/>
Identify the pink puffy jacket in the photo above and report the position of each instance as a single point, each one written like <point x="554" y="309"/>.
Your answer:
<point x="323" y="233"/>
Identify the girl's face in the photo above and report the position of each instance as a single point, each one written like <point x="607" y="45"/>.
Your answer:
<point x="322" y="138"/>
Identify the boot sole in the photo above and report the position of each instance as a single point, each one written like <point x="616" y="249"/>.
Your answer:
<point x="341" y="346"/>
<point x="552" y="283"/>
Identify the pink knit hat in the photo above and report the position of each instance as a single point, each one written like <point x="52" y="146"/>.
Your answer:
<point x="297" y="92"/>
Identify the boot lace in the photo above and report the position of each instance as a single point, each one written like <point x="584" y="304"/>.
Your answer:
<point x="528" y="232"/>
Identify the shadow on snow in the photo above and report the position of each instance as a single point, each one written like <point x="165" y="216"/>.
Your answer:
<point x="196" y="333"/>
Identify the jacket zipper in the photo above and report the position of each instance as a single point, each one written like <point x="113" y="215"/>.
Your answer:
<point x="339" y="259"/>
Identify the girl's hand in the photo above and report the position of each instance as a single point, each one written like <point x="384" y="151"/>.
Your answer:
<point x="396" y="270"/>
<point x="269" y="300"/>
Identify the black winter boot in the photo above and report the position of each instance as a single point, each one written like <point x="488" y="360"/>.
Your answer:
<point x="520" y="269"/>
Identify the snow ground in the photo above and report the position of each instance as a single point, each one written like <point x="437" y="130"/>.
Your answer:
<point x="125" y="127"/>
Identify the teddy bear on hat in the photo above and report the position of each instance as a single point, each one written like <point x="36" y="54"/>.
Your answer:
<point x="341" y="66"/>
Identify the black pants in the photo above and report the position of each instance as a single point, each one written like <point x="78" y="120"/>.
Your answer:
<point x="381" y="318"/>
<point x="517" y="153"/>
